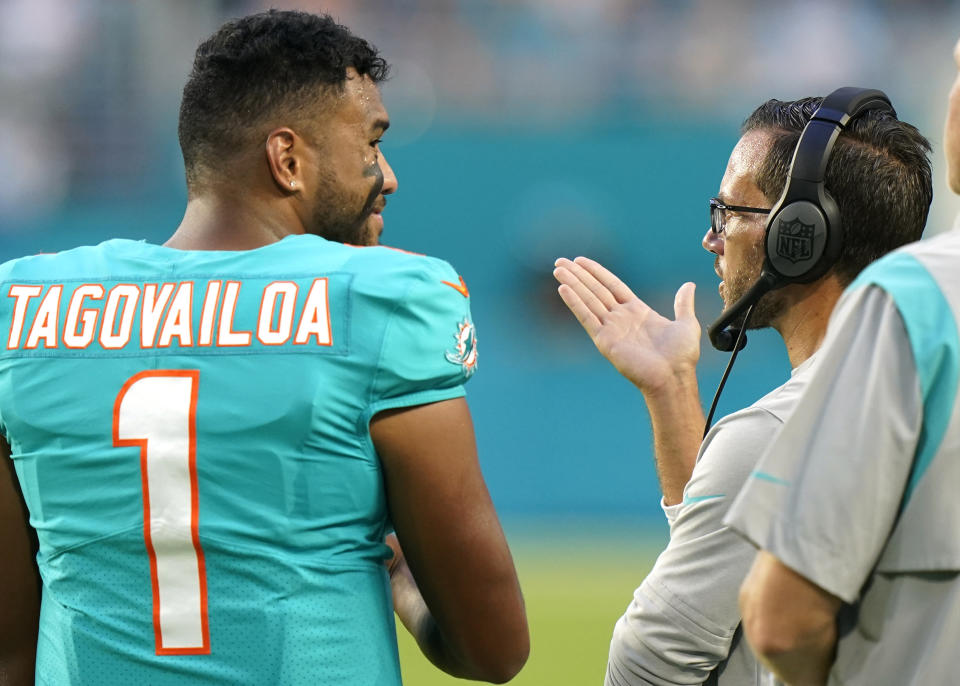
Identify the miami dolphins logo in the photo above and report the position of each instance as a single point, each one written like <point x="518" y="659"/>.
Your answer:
<point x="465" y="353"/>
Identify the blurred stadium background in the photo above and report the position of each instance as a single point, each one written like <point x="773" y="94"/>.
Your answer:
<point x="522" y="130"/>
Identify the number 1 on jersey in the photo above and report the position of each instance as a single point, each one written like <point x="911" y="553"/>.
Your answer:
<point x="156" y="411"/>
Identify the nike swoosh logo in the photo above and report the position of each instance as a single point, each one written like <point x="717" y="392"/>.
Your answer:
<point x="460" y="288"/>
<point x="763" y="476"/>
<point x="687" y="499"/>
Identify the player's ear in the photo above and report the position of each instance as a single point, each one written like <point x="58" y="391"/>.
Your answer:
<point x="283" y="159"/>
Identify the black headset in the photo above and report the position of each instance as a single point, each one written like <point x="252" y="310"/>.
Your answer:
<point x="804" y="234"/>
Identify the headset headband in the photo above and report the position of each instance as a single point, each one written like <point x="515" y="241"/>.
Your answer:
<point x="820" y="134"/>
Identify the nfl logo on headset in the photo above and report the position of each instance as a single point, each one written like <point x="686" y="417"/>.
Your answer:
<point x="795" y="240"/>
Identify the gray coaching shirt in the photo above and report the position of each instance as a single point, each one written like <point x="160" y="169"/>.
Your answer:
<point x="682" y="626"/>
<point x="859" y="492"/>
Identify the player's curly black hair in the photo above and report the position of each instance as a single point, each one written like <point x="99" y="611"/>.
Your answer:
<point x="257" y="70"/>
<point x="878" y="173"/>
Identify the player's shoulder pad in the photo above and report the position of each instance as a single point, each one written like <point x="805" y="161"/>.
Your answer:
<point x="398" y="271"/>
<point x="26" y="268"/>
<point x="429" y="340"/>
<point x="54" y="266"/>
<point x="7" y="270"/>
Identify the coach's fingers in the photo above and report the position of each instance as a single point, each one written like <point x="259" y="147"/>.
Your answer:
<point x="683" y="302"/>
<point x="588" y="320"/>
<point x="610" y="281"/>
<point x="601" y="292"/>
<point x="567" y="277"/>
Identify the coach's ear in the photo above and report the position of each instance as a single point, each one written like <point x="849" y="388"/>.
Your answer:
<point x="283" y="150"/>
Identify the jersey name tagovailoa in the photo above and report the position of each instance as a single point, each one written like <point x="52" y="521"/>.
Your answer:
<point x="155" y="315"/>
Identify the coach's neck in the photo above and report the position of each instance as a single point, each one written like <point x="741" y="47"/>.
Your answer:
<point x="806" y="315"/>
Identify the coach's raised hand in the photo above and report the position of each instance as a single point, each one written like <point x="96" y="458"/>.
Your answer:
<point x="645" y="347"/>
<point x="657" y="354"/>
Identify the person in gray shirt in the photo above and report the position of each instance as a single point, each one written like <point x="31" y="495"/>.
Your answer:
<point x="682" y="626"/>
<point x="854" y="504"/>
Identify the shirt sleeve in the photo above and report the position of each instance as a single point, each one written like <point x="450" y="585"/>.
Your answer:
<point x="429" y="346"/>
<point x="670" y="511"/>
<point x="826" y="493"/>
<point x="682" y="620"/>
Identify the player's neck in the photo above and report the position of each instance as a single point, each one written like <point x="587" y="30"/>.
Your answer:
<point x="220" y="221"/>
<point x="804" y="322"/>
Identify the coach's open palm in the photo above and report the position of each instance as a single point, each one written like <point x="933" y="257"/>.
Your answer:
<point x="645" y="347"/>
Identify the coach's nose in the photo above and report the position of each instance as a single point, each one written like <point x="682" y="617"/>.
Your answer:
<point x="713" y="242"/>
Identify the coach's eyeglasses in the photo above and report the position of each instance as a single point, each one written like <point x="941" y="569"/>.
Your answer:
<point x="718" y="214"/>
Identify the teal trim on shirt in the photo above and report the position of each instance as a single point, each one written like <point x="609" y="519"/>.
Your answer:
<point x="932" y="332"/>
<point x="763" y="476"/>
<point x="687" y="499"/>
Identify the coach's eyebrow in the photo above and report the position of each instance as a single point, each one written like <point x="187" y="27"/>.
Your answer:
<point x="382" y="124"/>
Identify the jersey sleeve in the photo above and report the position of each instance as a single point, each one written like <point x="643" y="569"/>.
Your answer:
<point x="681" y="623"/>
<point x="827" y="491"/>
<point x="429" y="346"/>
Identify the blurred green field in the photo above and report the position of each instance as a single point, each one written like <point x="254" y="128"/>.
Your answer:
<point x="575" y="586"/>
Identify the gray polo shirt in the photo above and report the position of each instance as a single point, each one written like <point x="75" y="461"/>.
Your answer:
<point x="859" y="491"/>
<point x="682" y="626"/>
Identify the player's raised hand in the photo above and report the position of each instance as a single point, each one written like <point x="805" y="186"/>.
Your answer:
<point x="644" y="346"/>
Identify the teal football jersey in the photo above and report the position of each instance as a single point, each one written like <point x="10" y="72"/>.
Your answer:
<point x="190" y="432"/>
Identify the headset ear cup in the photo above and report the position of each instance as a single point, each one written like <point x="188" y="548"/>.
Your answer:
<point x="796" y="242"/>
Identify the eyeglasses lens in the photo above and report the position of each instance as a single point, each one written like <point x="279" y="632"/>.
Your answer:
<point x="716" y="218"/>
